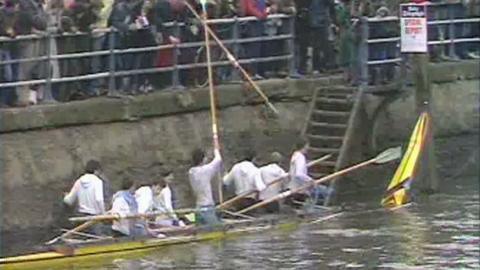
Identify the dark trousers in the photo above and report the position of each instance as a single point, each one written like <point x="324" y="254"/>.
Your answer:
<point x="254" y="49"/>
<point x="323" y="54"/>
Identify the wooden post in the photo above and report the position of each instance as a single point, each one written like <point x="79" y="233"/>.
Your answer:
<point x="428" y="179"/>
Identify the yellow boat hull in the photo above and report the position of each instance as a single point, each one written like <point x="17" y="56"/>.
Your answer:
<point x="95" y="253"/>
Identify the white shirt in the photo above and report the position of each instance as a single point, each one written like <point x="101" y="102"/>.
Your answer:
<point x="270" y="173"/>
<point x="121" y="207"/>
<point x="298" y="171"/>
<point x="245" y="177"/>
<point x="200" y="180"/>
<point x="88" y="193"/>
<point x="144" y="198"/>
<point x="163" y="203"/>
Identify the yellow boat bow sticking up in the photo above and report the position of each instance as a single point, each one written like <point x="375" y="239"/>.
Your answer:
<point x="398" y="190"/>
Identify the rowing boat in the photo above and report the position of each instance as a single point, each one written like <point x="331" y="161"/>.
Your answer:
<point x="94" y="249"/>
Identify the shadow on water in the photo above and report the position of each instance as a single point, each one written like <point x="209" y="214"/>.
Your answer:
<point x="437" y="232"/>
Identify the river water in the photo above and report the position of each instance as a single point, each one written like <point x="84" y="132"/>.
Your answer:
<point x="441" y="231"/>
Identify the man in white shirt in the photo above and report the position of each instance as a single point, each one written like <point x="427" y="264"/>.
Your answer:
<point x="87" y="194"/>
<point x="144" y="197"/>
<point x="163" y="202"/>
<point x="200" y="176"/>
<point x="299" y="176"/>
<point x="245" y="177"/>
<point x="125" y="204"/>
<point x="270" y="173"/>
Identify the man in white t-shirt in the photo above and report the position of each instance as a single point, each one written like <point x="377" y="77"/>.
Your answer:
<point x="273" y="177"/>
<point x="299" y="176"/>
<point x="201" y="175"/>
<point x="245" y="177"/>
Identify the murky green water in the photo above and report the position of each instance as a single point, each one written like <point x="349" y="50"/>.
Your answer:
<point x="438" y="232"/>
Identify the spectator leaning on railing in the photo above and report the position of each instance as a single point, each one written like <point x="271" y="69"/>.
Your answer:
<point x="30" y="19"/>
<point x="254" y="29"/>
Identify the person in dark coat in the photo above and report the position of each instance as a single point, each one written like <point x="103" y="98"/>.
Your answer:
<point x="314" y="19"/>
<point x="31" y="19"/>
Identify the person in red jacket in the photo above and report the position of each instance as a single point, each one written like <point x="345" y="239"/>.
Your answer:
<point x="258" y="9"/>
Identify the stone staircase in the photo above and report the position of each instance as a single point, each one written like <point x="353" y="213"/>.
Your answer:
<point x="326" y="126"/>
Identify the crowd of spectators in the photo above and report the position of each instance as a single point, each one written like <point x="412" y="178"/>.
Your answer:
<point x="325" y="26"/>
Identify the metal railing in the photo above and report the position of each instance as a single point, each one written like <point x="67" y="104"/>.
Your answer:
<point x="232" y="37"/>
<point x="384" y="50"/>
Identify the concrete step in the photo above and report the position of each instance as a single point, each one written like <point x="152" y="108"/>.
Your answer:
<point x="338" y="89"/>
<point x="325" y="141"/>
<point x="322" y="150"/>
<point x="330" y="116"/>
<point x="327" y="129"/>
<point x="333" y="104"/>
<point x="328" y="125"/>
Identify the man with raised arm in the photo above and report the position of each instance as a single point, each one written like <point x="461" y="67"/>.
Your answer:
<point x="201" y="175"/>
<point x="245" y="177"/>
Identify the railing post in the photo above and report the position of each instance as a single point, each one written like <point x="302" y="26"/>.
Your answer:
<point x="112" y="91"/>
<point x="47" y="94"/>
<point x="236" y="47"/>
<point x="291" y="45"/>
<point x="451" y="31"/>
<point x="363" y="52"/>
<point x="176" y="53"/>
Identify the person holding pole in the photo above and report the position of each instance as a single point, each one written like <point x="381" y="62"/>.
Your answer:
<point x="245" y="177"/>
<point x="200" y="176"/>
<point x="271" y="173"/>
<point x="299" y="176"/>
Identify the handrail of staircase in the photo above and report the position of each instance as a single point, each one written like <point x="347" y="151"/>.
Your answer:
<point x="346" y="142"/>
<point x="309" y="113"/>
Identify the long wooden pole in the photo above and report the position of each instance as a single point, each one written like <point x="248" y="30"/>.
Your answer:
<point x="384" y="157"/>
<point x="213" y="112"/>
<point x="232" y="60"/>
<point x="115" y="216"/>
<point x="280" y="178"/>
<point x="79" y="228"/>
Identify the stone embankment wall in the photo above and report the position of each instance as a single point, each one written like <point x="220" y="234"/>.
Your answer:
<point x="43" y="148"/>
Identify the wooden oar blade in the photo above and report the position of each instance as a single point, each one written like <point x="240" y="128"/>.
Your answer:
<point x="388" y="155"/>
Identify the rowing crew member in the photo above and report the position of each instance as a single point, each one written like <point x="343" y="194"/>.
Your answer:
<point x="163" y="202"/>
<point x="124" y="204"/>
<point x="272" y="172"/>
<point x="88" y="194"/>
<point x="299" y="176"/>
<point x="156" y="196"/>
<point x="201" y="175"/>
<point x="245" y="177"/>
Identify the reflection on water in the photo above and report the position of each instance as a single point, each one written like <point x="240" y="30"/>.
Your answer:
<point x="438" y="232"/>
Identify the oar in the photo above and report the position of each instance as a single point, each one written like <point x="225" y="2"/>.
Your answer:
<point x="134" y="216"/>
<point x="213" y="112"/>
<point x="280" y="178"/>
<point x="232" y="59"/>
<point x="80" y="227"/>
<point x="384" y="157"/>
